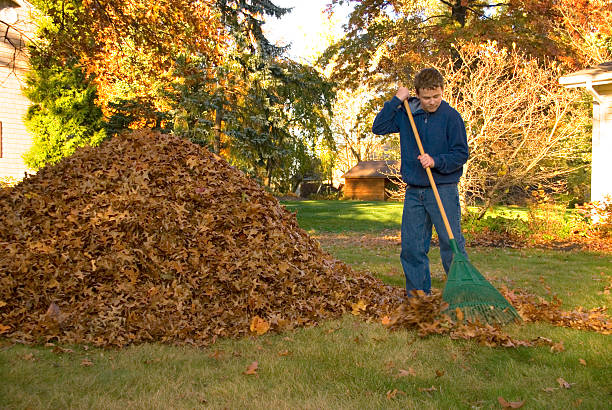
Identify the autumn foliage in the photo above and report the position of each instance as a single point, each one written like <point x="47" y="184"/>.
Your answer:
<point x="149" y="237"/>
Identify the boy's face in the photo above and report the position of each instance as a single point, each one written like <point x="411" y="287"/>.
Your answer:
<point x="430" y="98"/>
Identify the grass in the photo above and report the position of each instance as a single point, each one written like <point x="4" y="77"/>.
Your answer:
<point x="346" y="363"/>
<point x="338" y="216"/>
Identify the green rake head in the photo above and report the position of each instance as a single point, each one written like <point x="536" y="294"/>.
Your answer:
<point x="477" y="299"/>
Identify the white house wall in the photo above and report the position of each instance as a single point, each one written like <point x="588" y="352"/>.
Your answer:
<point x="15" y="139"/>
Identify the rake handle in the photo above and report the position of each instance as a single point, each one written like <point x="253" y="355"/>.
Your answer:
<point x="429" y="175"/>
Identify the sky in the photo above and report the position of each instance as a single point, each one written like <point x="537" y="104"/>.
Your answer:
<point x="306" y="27"/>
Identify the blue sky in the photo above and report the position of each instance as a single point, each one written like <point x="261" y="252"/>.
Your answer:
<point x="305" y="27"/>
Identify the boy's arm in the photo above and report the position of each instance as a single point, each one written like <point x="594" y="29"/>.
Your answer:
<point x="458" y="152"/>
<point x="384" y="123"/>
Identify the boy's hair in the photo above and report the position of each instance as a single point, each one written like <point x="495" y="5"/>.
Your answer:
<point x="429" y="78"/>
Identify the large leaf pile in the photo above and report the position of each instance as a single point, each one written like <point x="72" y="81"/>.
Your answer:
<point x="151" y="238"/>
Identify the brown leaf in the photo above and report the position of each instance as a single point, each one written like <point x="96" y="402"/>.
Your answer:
<point x="386" y="320"/>
<point x="563" y="383"/>
<point x="284" y="353"/>
<point x="53" y="311"/>
<point x="59" y="349"/>
<point x="439" y="373"/>
<point x="391" y="394"/>
<point x="4" y="328"/>
<point x="252" y="368"/>
<point x="53" y="283"/>
<point x="582" y="362"/>
<point x="459" y="314"/>
<point x="557" y="347"/>
<point x="427" y="389"/>
<point x="86" y="363"/>
<point x="510" y="405"/>
<point x="409" y="372"/>
<point x="217" y="354"/>
<point x="550" y="389"/>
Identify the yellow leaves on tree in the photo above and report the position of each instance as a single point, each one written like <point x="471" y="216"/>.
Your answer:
<point x="148" y="34"/>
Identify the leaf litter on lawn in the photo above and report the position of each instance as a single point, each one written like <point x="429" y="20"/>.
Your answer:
<point x="152" y="238"/>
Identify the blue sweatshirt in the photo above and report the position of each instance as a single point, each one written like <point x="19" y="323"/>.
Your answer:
<point x="442" y="135"/>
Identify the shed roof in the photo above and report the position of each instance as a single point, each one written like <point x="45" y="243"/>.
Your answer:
<point x="373" y="169"/>
<point x="598" y="75"/>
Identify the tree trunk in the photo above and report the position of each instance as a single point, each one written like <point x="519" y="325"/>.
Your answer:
<point x="459" y="11"/>
<point x="217" y="137"/>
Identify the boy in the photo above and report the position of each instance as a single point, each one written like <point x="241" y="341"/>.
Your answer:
<point x="444" y="139"/>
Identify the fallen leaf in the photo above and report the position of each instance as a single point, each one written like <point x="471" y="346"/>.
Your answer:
<point x="391" y="394"/>
<point x="86" y="363"/>
<point x="53" y="283"/>
<point x="439" y="373"/>
<point x="459" y="314"/>
<point x="386" y="320"/>
<point x="284" y="353"/>
<point x="53" y="311"/>
<point x="578" y="402"/>
<point x="427" y="389"/>
<point x="28" y="356"/>
<point x="550" y="389"/>
<point x="359" y="307"/>
<point x="510" y="404"/>
<point x="4" y="329"/>
<point x="409" y="372"/>
<point x="217" y="354"/>
<point x="557" y="347"/>
<point x="2" y="304"/>
<point x="59" y="349"/>
<point x="252" y="368"/>
<point x="563" y="383"/>
<point x="259" y="325"/>
<point x="582" y="362"/>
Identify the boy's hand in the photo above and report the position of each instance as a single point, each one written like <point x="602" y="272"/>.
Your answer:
<point x="426" y="161"/>
<point x="403" y="93"/>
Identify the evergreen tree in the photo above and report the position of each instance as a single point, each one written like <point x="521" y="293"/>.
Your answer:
<point x="63" y="115"/>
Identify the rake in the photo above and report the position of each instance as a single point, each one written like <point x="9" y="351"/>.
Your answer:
<point x="466" y="289"/>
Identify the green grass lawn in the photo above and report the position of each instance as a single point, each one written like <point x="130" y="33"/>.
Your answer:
<point x="347" y="363"/>
<point x="340" y="216"/>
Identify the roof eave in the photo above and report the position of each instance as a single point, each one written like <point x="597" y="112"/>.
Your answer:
<point x="573" y="81"/>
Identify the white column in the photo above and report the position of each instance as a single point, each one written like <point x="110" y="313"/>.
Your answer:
<point x="601" y="173"/>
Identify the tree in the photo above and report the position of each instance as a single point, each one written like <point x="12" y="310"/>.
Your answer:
<point x="262" y="111"/>
<point x="354" y="112"/>
<point x="129" y="42"/>
<point x="63" y="115"/>
<point x="386" y="40"/>
<point x="524" y="130"/>
<point x="203" y="69"/>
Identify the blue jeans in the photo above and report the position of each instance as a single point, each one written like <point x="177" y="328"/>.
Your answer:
<point x="420" y="212"/>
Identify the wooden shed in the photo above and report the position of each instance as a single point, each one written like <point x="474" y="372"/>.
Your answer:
<point x="368" y="179"/>
<point x="15" y="27"/>
<point x="598" y="81"/>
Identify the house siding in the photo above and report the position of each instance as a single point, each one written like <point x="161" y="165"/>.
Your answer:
<point x="13" y="104"/>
